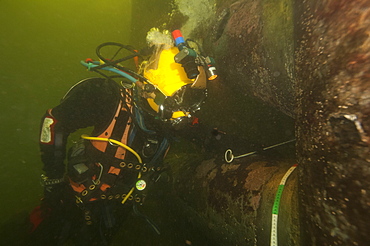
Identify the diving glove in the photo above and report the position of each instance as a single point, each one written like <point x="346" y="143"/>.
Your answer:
<point x="54" y="190"/>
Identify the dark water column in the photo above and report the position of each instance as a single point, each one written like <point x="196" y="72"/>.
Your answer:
<point x="333" y="124"/>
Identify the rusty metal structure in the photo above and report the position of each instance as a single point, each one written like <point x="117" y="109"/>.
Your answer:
<point x="309" y="61"/>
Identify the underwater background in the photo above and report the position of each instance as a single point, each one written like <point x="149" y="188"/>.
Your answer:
<point x="262" y="50"/>
<point x="41" y="45"/>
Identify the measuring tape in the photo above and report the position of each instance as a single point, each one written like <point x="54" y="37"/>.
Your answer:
<point x="275" y="208"/>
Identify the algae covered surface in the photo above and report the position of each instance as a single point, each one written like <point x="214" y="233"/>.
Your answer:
<point x="42" y="44"/>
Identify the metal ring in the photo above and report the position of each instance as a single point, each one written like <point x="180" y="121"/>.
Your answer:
<point x="117" y="196"/>
<point x="91" y="187"/>
<point x="110" y="197"/>
<point x="130" y="197"/>
<point x="78" y="200"/>
<point x="230" y="153"/>
<point x="137" y="167"/>
<point x="103" y="196"/>
<point x="137" y="199"/>
<point x="84" y="192"/>
<point x="111" y="143"/>
<point x="123" y="196"/>
<point x="130" y="165"/>
<point x="122" y="164"/>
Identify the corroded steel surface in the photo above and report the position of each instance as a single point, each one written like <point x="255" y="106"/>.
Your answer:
<point x="253" y="42"/>
<point x="333" y="72"/>
<point x="327" y="46"/>
<point x="233" y="201"/>
<point x="310" y="60"/>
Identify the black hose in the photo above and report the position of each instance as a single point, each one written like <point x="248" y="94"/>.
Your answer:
<point x="127" y="70"/>
<point x="147" y="219"/>
<point x="115" y="62"/>
<point x="121" y="46"/>
<point x="112" y="62"/>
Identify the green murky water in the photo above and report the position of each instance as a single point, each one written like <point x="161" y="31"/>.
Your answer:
<point x="41" y="44"/>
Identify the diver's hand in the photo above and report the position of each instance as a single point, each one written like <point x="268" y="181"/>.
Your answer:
<point x="54" y="191"/>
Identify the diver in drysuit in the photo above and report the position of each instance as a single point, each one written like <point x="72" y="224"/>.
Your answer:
<point x="104" y="175"/>
<point x="110" y="170"/>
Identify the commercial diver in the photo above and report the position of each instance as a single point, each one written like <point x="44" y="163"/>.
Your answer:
<point x="114" y="167"/>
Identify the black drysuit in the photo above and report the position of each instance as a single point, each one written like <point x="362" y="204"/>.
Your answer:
<point x="98" y="179"/>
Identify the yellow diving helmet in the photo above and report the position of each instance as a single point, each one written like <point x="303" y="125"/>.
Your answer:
<point x="178" y="75"/>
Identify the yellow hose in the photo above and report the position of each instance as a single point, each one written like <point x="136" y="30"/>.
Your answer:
<point x="84" y="136"/>
<point x="128" y="195"/>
